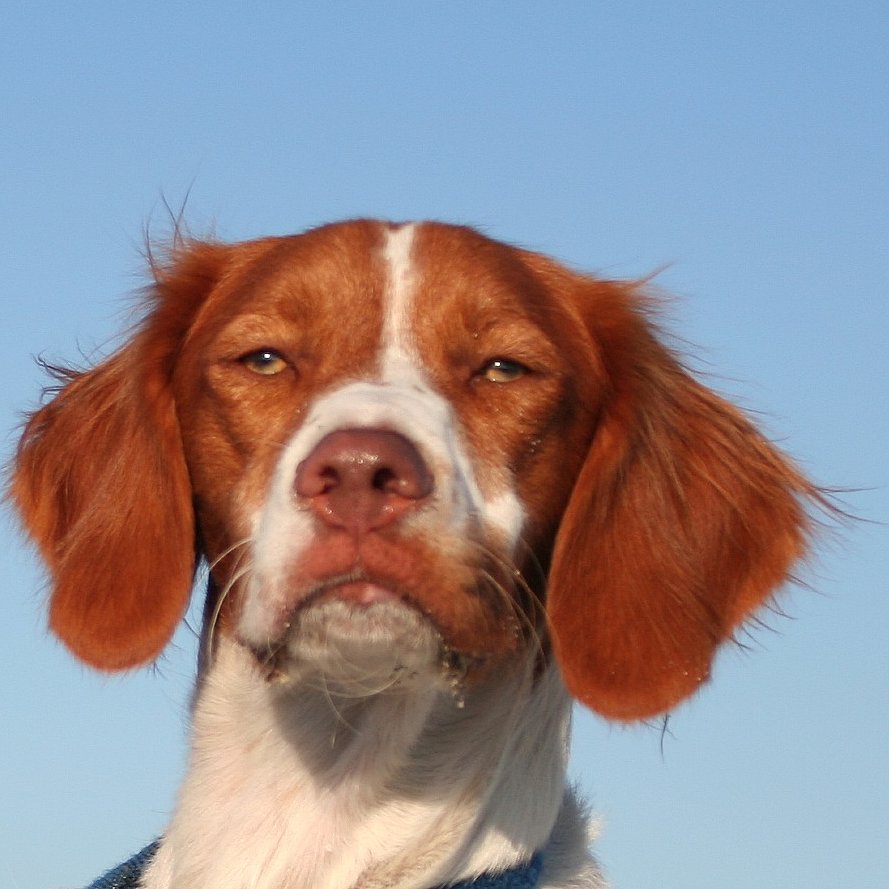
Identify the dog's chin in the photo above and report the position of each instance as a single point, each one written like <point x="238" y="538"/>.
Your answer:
<point x="359" y="650"/>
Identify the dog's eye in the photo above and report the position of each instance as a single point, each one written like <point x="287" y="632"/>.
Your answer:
<point x="266" y="362"/>
<point x="502" y="370"/>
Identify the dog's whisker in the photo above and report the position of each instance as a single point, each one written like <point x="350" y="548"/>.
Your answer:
<point x="525" y="623"/>
<point x="514" y="581"/>
<point x="237" y="545"/>
<point x="239" y="571"/>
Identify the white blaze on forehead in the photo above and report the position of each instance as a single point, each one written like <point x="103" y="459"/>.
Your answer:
<point x="398" y="358"/>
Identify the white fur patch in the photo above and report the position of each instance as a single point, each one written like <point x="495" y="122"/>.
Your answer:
<point x="398" y="359"/>
<point x="288" y="789"/>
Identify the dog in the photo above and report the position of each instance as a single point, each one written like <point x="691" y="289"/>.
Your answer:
<point x="444" y="487"/>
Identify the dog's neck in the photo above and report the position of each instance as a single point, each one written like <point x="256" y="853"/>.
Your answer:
<point x="289" y="788"/>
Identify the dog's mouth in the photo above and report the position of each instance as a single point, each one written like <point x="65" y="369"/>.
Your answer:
<point x="356" y="636"/>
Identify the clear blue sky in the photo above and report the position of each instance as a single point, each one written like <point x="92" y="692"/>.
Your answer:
<point x="743" y="147"/>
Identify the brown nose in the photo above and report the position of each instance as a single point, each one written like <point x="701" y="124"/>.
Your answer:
<point x="363" y="479"/>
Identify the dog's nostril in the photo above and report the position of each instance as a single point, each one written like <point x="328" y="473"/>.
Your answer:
<point x="386" y="480"/>
<point x="328" y="479"/>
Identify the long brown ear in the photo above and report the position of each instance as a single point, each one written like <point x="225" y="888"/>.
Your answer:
<point x="683" y="520"/>
<point x="102" y="486"/>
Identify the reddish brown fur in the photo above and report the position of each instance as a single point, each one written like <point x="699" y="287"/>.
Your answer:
<point x="102" y="487"/>
<point x="666" y="516"/>
<point x="683" y="520"/>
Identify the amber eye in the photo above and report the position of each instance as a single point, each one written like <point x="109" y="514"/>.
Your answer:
<point x="502" y="370"/>
<point x="266" y="362"/>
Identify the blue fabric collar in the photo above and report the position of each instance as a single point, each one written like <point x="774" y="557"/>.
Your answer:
<point x="524" y="876"/>
<point x="128" y="874"/>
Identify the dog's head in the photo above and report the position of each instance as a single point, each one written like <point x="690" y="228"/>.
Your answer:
<point x="411" y="439"/>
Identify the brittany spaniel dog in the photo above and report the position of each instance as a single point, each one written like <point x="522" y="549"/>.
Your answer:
<point x="444" y="488"/>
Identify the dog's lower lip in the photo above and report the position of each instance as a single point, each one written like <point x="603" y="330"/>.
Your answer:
<point x="359" y="592"/>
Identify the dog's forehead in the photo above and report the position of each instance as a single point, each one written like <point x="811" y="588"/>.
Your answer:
<point x="369" y="286"/>
<point x="413" y="271"/>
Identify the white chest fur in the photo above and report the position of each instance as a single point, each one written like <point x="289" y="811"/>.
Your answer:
<point x="289" y="789"/>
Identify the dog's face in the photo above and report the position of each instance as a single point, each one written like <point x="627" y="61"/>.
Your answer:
<point x="409" y="445"/>
<point x="391" y="432"/>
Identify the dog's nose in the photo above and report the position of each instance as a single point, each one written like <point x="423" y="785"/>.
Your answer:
<point x="363" y="479"/>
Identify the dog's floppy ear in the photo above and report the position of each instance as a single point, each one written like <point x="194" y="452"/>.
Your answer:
<point x="101" y="483"/>
<point x="683" y="519"/>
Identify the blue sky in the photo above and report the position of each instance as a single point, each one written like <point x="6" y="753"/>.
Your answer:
<point x="740" y="148"/>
